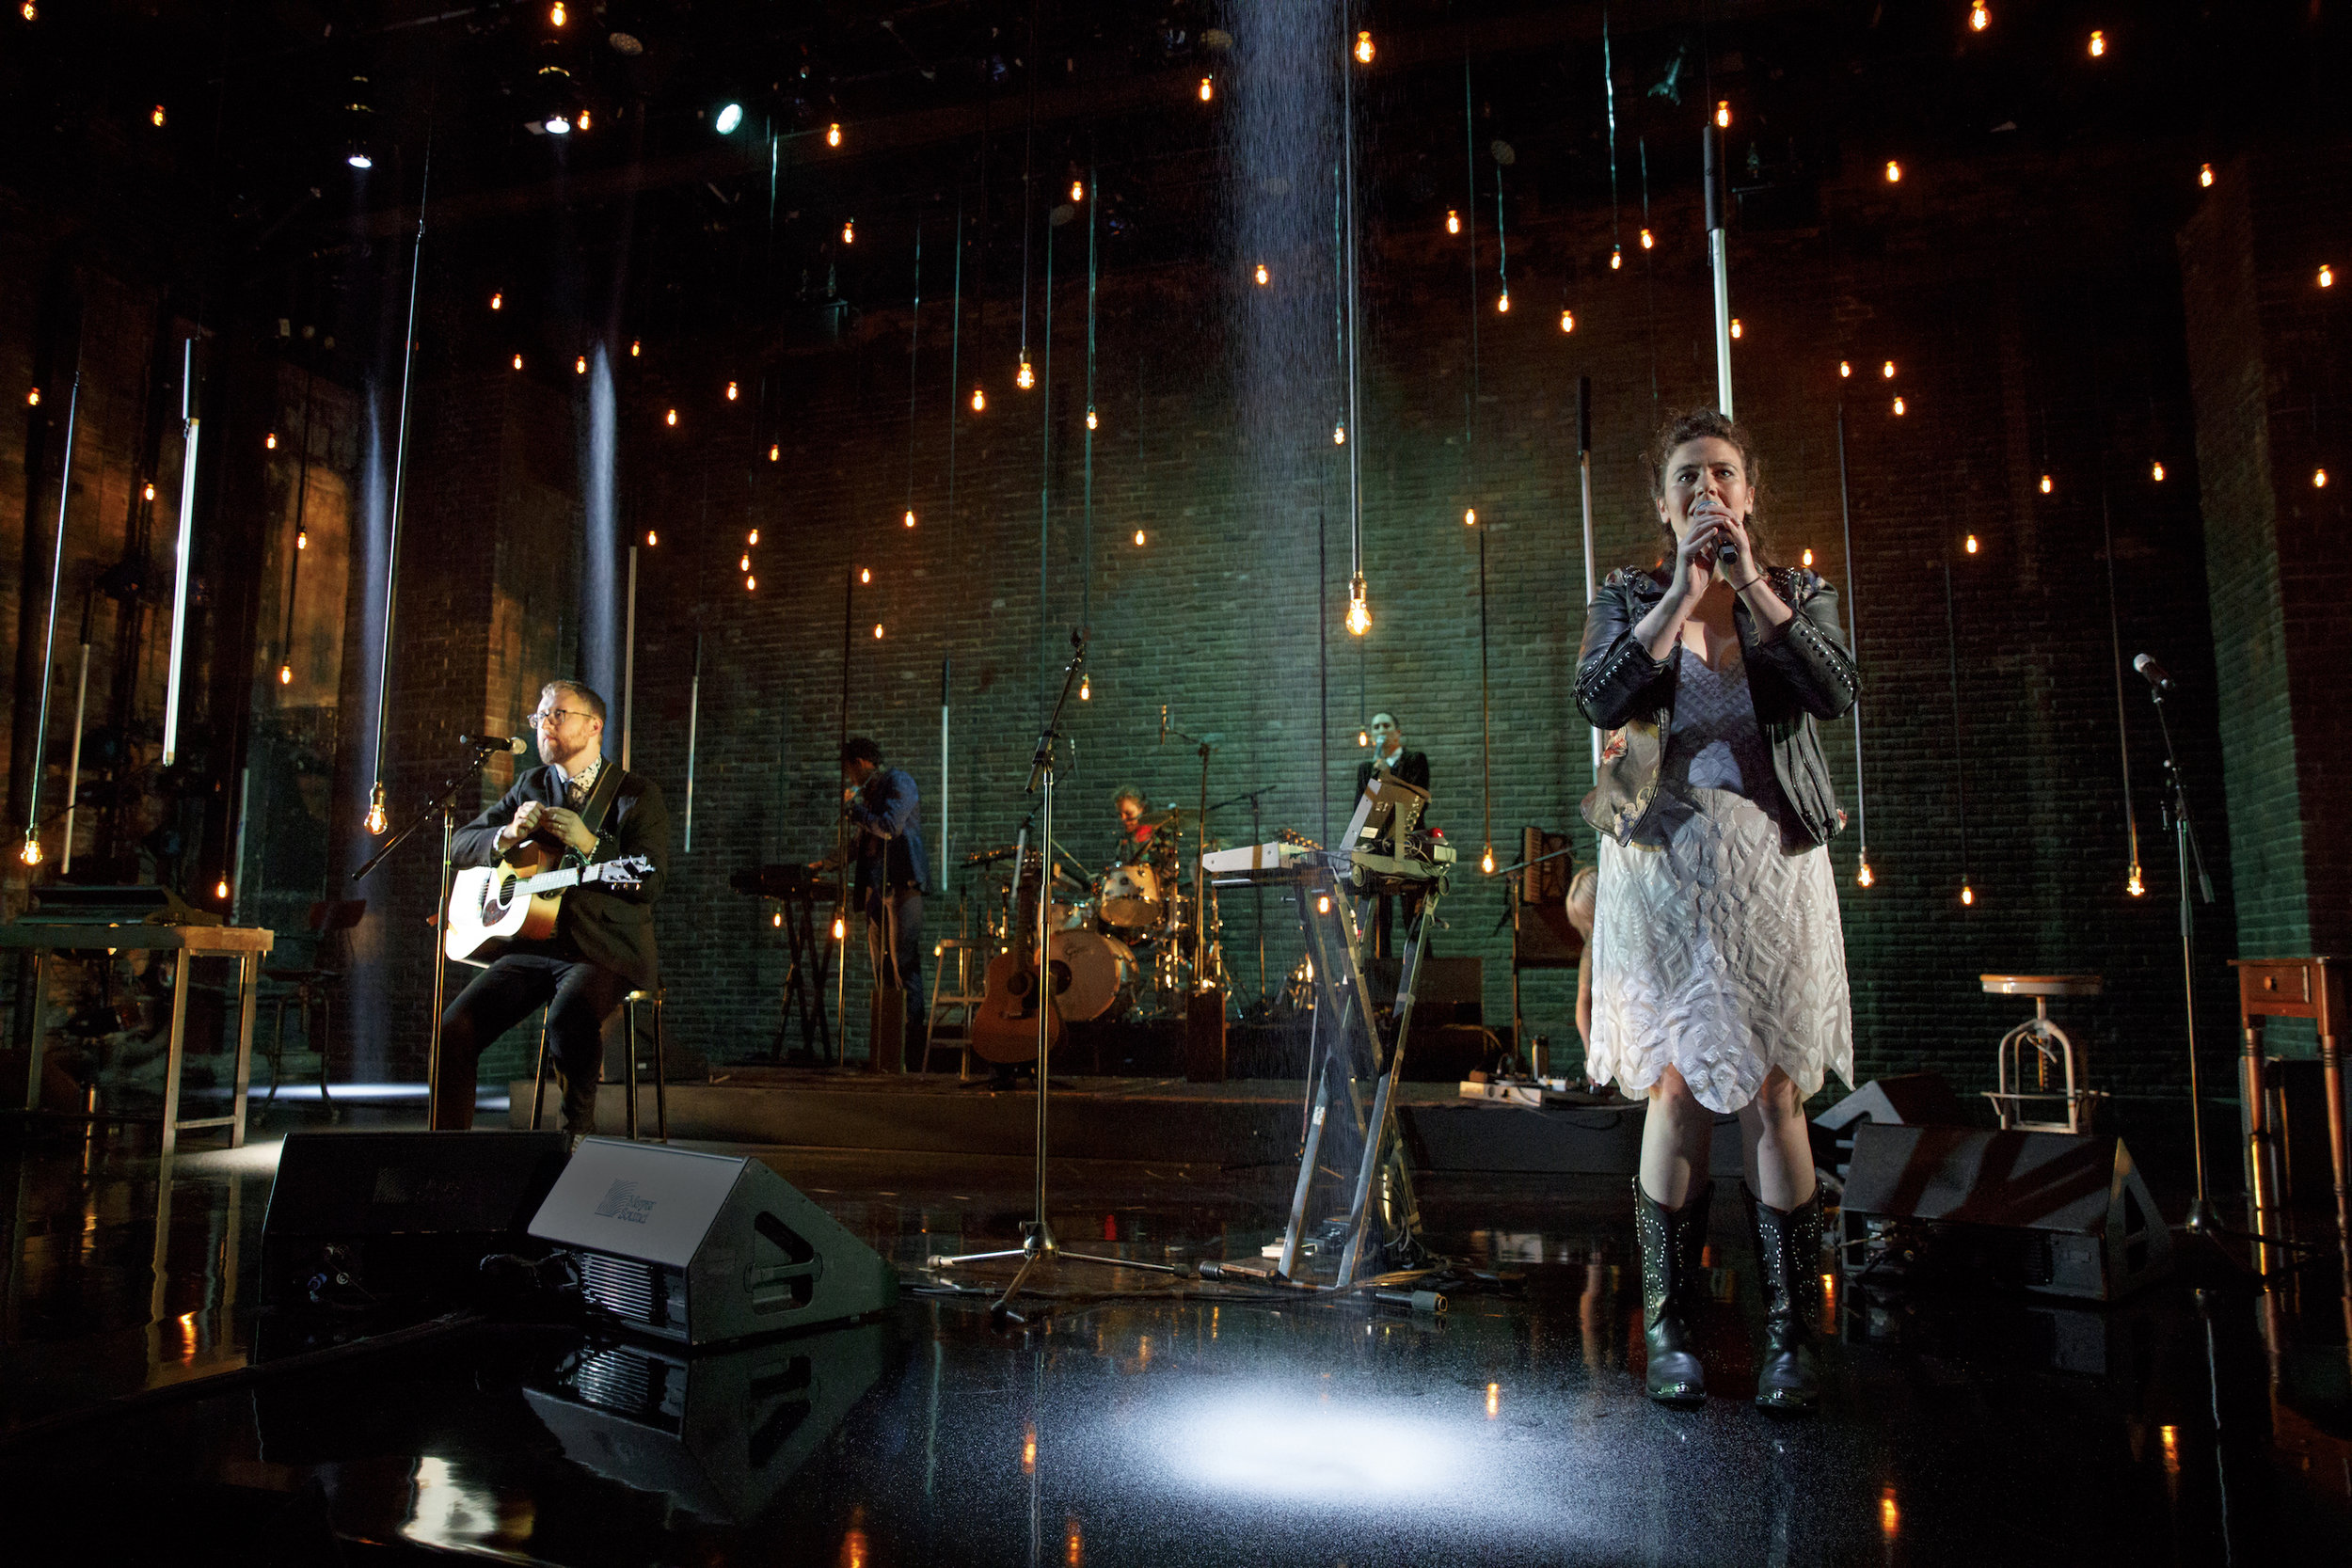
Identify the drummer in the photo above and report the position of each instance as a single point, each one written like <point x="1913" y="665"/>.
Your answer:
<point x="1135" y="831"/>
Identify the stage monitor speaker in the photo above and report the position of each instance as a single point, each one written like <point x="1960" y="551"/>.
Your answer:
<point x="704" y="1248"/>
<point x="1908" y="1100"/>
<point x="2061" y="1213"/>
<point x="398" y="1217"/>
<point x="1206" y="1060"/>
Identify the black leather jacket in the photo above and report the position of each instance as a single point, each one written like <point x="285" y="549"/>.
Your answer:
<point x="1800" y="676"/>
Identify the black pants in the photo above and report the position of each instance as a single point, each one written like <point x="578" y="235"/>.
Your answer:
<point x="581" y="996"/>
<point x="893" y="930"/>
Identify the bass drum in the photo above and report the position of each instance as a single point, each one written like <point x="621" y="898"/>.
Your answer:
<point x="1102" y="975"/>
<point x="1132" y="899"/>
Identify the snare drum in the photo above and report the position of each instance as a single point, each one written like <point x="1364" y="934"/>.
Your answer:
<point x="1102" y="972"/>
<point x="1132" y="898"/>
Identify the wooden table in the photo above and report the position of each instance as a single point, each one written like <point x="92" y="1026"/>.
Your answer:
<point x="245" y="943"/>
<point x="2290" y="988"/>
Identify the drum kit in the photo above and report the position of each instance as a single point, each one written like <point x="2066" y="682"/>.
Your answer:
<point x="1123" y="936"/>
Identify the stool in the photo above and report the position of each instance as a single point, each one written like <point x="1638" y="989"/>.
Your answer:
<point x="2289" y="988"/>
<point x="2046" y="1040"/>
<point x="948" y="1026"/>
<point x="629" y="1004"/>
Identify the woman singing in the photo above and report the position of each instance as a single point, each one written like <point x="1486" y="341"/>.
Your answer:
<point x="1720" y="982"/>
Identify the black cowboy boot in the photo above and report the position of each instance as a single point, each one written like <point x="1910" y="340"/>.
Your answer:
<point x="1671" y="1240"/>
<point x="1788" y="1257"/>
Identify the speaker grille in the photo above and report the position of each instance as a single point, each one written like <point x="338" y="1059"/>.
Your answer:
<point x="624" y="1287"/>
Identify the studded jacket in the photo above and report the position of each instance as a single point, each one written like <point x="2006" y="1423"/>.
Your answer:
<point x="1802" y="676"/>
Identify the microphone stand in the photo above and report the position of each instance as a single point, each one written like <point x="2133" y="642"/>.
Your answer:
<point x="1262" y="1008"/>
<point x="2202" y="1218"/>
<point x="1037" y="1233"/>
<point x="445" y="805"/>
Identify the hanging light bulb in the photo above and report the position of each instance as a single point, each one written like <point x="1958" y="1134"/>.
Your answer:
<point x="376" y="820"/>
<point x="1453" y="220"/>
<point x="751" y="584"/>
<point x="285" y="675"/>
<point x="2326" y="275"/>
<point x="877" y="631"/>
<point x="2045" y="484"/>
<point x="269" y="442"/>
<point x="1363" y="738"/>
<point x="2156" y="471"/>
<point x="1735" y="326"/>
<point x="220" y="889"/>
<point x="518" y="361"/>
<point x="583" y="121"/>
<point x="865" y="574"/>
<point x="745" y="565"/>
<point x="302" y="539"/>
<point x="497" y="302"/>
<point x="1971" y="545"/>
<point x="1323" y="906"/>
<point x="1208" y="88"/>
<point x="1723" y="114"/>
<point x="30" y="854"/>
<point x="1091" y="422"/>
<point x="1503" y="303"/>
<point x="1616" y="256"/>
<point x="1979" y="18"/>
<point x="1364" y="48"/>
<point x="1262" y="275"/>
<point x="1567" y="321"/>
<point x="1086" y="686"/>
<point x="1469" y="516"/>
<point x="636" y="347"/>
<point x="849" y="232"/>
<point x="653" y="538"/>
<point x="730" y="392"/>
<point x="1967" y="894"/>
<point x="833" y="134"/>
<point x="556" y="14"/>
<point x="1138" y="536"/>
<point x="836" y="927"/>
<point x="2132" y="885"/>
<point x="776" y="920"/>
<point x="1808" y="559"/>
<point x="1649" y="241"/>
<point x="753" y="537"/>
<point x="1358" y="612"/>
<point x="1486" y="861"/>
<point x="2319" y="479"/>
<point x="147" y="491"/>
<point x="580" y="365"/>
<point x="1899" y="407"/>
<point x="980" y="400"/>
<point x="28" y="10"/>
<point x="1077" y="191"/>
<point x="1026" y="378"/>
<point x="32" y="398"/>
<point x="2098" y="43"/>
<point x="909" y="518"/>
<point x="155" y="116"/>
<point x="1893" y="172"/>
<point x="1844" y="369"/>
<point x="776" y="452"/>
<point x="1339" y="434"/>
<point x="1864" y="876"/>
<point x="671" y="418"/>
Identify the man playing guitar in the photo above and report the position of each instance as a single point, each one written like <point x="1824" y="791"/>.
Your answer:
<point x="603" y="945"/>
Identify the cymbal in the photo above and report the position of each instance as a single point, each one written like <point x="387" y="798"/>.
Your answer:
<point x="1181" y="815"/>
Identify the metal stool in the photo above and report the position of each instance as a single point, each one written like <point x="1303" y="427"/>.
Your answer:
<point x="2046" y="1040"/>
<point x="629" y="1004"/>
<point x="948" y="1027"/>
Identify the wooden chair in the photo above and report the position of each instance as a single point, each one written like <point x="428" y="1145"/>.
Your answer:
<point x="330" y="926"/>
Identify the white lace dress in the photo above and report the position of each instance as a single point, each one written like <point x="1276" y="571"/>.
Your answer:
<point x="1715" y="950"/>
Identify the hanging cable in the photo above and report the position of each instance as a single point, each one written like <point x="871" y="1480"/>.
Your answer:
<point x="914" y="341"/>
<point x="30" y="854"/>
<point x="1045" y="480"/>
<point x="1358" y="607"/>
<point x="1960" y="746"/>
<point x="1470" y="461"/>
<point x="1085" y="539"/>
<point x="2133" y="883"/>
<point x="1609" y="94"/>
<point x="1029" y="161"/>
<point x="294" y="563"/>
<point x="376" y="819"/>
<point x="1853" y="648"/>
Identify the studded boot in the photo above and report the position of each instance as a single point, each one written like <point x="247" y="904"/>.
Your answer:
<point x="1788" y="1258"/>
<point x="1671" y="1242"/>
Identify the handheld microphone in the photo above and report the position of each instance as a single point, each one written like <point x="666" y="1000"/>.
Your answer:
<point x="2146" y="664"/>
<point x="511" y="743"/>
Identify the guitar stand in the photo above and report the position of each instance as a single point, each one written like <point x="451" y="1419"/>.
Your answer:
<point x="1037" y="1245"/>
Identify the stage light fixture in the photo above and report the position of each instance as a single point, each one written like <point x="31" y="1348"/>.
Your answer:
<point x="1971" y="544"/>
<point x="1453" y="220"/>
<point x="670" y="419"/>
<point x="2156" y="471"/>
<point x="1650" y="242"/>
<point x="1898" y="408"/>
<point x="1503" y="303"/>
<point x="2045" y="484"/>
<point x="1723" y="114"/>
<point x="727" y="119"/>
<point x="285" y="675"/>
<point x="909" y="518"/>
<point x="497" y="301"/>
<point x="2204" y="175"/>
<point x="849" y="232"/>
<point x="1567" y="321"/>
<point x="1091" y="423"/>
<point x="1893" y="172"/>
<point x="1027" y="377"/>
<point x="1735" y="326"/>
<point x="269" y="442"/>
<point x="580" y="365"/>
<point x="1208" y="88"/>
<point x="1364" y="48"/>
<point x="730" y="392"/>
<point x="1262" y="275"/>
<point x="582" y="122"/>
<point x="833" y="134"/>
<point x="980" y="400"/>
<point x="29" y="11"/>
<point x="1359" y="611"/>
<point x="357" y="157"/>
<point x="2098" y="43"/>
<point x="1616" y="256"/>
<point x="1979" y="19"/>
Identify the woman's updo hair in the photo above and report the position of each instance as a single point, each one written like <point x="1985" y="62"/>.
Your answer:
<point x="1698" y="424"/>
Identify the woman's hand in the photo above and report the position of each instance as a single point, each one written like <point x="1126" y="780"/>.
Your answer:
<point x="1694" y="556"/>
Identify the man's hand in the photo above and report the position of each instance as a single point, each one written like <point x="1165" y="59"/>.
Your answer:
<point x="568" y="827"/>
<point x="527" y="819"/>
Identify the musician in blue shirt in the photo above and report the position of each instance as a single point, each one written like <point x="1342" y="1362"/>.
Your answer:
<point x="887" y="849"/>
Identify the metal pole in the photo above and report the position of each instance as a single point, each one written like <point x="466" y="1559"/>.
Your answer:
<point x="49" y="648"/>
<point x="440" y="985"/>
<point x="1720" y="265"/>
<point x="192" y="430"/>
<point x="693" y="726"/>
<point x="943" y="666"/>
<point x="628" y="661"/>
<point x="236" y="864"/>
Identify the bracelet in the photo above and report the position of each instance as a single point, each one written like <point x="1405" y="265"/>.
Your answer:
<point x="1743" y="587"/>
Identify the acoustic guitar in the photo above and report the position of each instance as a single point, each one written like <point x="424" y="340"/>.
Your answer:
<point x="493" y="907"/>
<point x="1005" y="1026"/>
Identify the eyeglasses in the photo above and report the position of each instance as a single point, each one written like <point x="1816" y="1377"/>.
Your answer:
<point x="554" y="715"/>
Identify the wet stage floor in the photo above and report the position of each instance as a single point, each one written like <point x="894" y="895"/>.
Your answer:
<point x="1154" y="1425"/>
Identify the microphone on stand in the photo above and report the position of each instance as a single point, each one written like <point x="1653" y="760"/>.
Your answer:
<point x="2146" y="664"/>
<point x="511" y="743"/>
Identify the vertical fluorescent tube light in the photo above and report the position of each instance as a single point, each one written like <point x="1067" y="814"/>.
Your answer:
<point x="1720" y="265"/>
<point x="192" y="433"/>
<point x="628" y="662"/>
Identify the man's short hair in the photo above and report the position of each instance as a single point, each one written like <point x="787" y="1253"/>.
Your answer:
<point x="585" y="696"/>
<point x="1128" y="792"/>
<point x="1390" y="714"/>
<point x="859" y="749"/>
